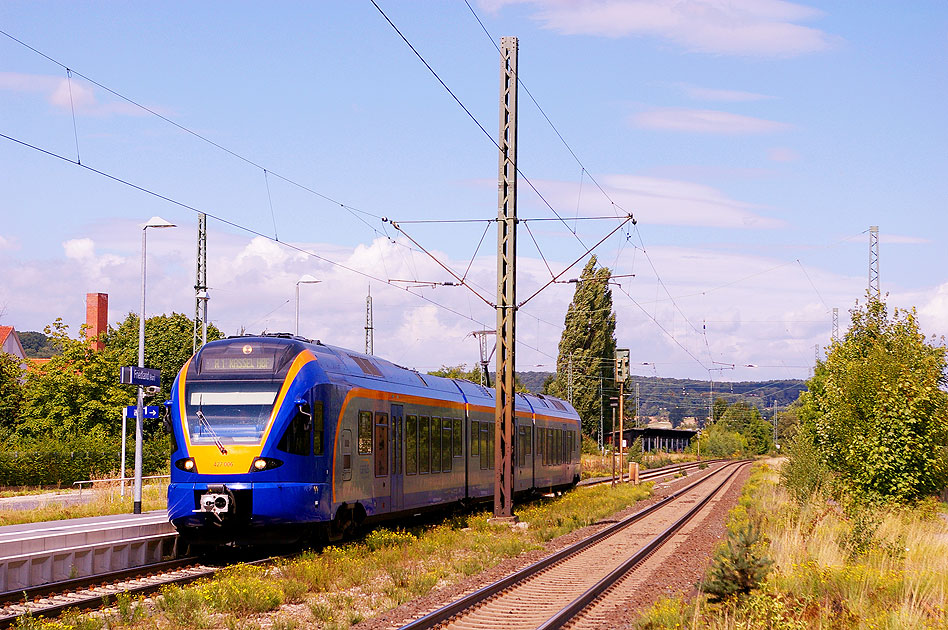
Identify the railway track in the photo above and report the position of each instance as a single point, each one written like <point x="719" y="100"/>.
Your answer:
<point x="51" y="600"/>
<point x="95" y="592"/>
<point x="561" y="588"/>
<point x="651" y="474"/>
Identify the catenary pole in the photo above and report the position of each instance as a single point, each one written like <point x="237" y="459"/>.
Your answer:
<point x="506" y="281"/>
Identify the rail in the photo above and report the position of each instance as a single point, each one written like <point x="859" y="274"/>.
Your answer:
<point x="443" y="614"/>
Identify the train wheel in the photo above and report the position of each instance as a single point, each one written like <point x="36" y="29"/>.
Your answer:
<point x="337" y="529"/>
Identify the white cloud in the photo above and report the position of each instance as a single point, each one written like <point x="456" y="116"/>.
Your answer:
<point x="757" y="309"/>
<point x="782" y="154"/>
<point x="766" y="28"/>
<point x="79" y="248"/>
<point x="7" y="243"/>
<point x="933" y="311"/>
<point x="711" y="94"/>
<point x="704" y="121"/>
<point x="659" y="201"/>
<point x="66" y="94"/>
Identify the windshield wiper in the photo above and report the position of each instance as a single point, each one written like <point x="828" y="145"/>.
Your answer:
<point x="212" y="432"/>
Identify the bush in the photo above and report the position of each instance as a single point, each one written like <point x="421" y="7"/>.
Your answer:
<point x="739" y="566"/>
<point x="804" y="473"/>
<point x="60" y="463"/>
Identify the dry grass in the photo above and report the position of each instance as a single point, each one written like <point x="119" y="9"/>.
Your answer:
<point x="343" y="585"/>
<point x="106" y="499"/>
<point x="834" y="567"/>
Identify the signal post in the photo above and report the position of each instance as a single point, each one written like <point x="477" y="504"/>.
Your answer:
<point x="621" y="364"/>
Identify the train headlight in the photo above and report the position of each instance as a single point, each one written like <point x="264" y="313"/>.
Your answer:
<point x="186" y="464"/>
<point x="264" y="463"/>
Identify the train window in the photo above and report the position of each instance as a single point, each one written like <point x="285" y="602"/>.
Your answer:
<point x="381" y="444"/>
<point x="446" y="444"/>
<point x="484" y="446"/>
<point x="411" y="445"/>
<point x="549" y="446"/>
<point x="458" y="438"/>
<point x="435" y="445"/>
<point x="475" y="437"/>
<point x="520" y="453"/>
<point x="346" y="455"/>
<point x="365" y="432"/>
<point x="296" y="438"/>
<point x="424" y="444"/>
<point x="528" y="442"/>
<point x="539" y="445"/>
<point x="490" y="445"/>
<point x="319" y="428"/>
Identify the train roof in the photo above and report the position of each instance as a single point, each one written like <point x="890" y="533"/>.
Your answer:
<point x="375" y="372"/>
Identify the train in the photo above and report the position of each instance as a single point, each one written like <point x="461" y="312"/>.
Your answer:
<point x="277" y="438"/>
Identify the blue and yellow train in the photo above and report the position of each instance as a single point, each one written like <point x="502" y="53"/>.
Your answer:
<point x="278" y="438"/>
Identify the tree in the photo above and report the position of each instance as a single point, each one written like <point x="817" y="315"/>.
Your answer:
<point x="37" y="345"/>
<point x="76" y="393"/>
<point x="587" y="347"/>
<point x="11" y="392"/>
<point x="718" y="409"/>
<point x="876" y="411"/>
<point x="458" y="371"/>
<point x="169" y="343"/>
<point x="719" y="441"/>
<point x="746" y="420"/>
<point x="473" y="375"/>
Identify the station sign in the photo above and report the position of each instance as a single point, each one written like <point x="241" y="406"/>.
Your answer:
<point x="150" y="412"/>
<point x="140" y="376"/>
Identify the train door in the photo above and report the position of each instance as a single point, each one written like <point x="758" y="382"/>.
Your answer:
<point x="397" y="438"/>
<point x="382" y="485"/>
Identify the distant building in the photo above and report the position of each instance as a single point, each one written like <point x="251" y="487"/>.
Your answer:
<point x="97" y="323"/>
<point x="10" y="342"/>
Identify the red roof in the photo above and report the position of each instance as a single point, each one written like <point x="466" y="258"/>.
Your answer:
<point x="4" y="333"/>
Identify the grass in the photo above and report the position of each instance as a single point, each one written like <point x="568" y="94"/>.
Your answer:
<point x="107" y="500"/>
<point x="340" y="586"/>
<point x="835" y="567"/>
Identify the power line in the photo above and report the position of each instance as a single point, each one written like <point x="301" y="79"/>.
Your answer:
<point x="352" y="210"/>
<point x="474" y="119"/>
<point x="583" y="168"/>
<point x="233" y="224"/>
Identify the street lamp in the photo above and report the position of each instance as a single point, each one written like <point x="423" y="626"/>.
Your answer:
<point x="305" y="279"/>
<point x="154" y="222"/>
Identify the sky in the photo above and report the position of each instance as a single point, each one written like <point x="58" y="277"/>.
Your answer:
<point x="754" y="142"/>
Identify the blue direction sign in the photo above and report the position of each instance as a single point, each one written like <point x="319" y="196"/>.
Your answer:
<point x="140" y="376"/>
<point x="149" y="412"/>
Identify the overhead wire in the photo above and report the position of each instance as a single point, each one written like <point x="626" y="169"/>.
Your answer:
<point x="473" y="118"/>
<point x="352" y="210"/>
<point x="233" y="224"/>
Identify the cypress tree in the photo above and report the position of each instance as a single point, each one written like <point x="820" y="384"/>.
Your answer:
<point x="587" y="347"/>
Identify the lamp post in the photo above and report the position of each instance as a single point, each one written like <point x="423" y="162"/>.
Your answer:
<point x="154" y="222"/>
<point x="306" y="279"/>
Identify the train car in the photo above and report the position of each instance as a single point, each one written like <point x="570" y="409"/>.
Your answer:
<point x="278" y="438"/>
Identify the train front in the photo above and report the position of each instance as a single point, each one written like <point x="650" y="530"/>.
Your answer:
<point x="249" y="462"/>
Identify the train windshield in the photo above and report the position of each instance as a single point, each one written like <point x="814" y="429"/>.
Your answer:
<point x="229" y="412"/>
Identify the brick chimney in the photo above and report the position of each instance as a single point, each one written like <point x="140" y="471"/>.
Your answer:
<point x="97" y="317"/>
